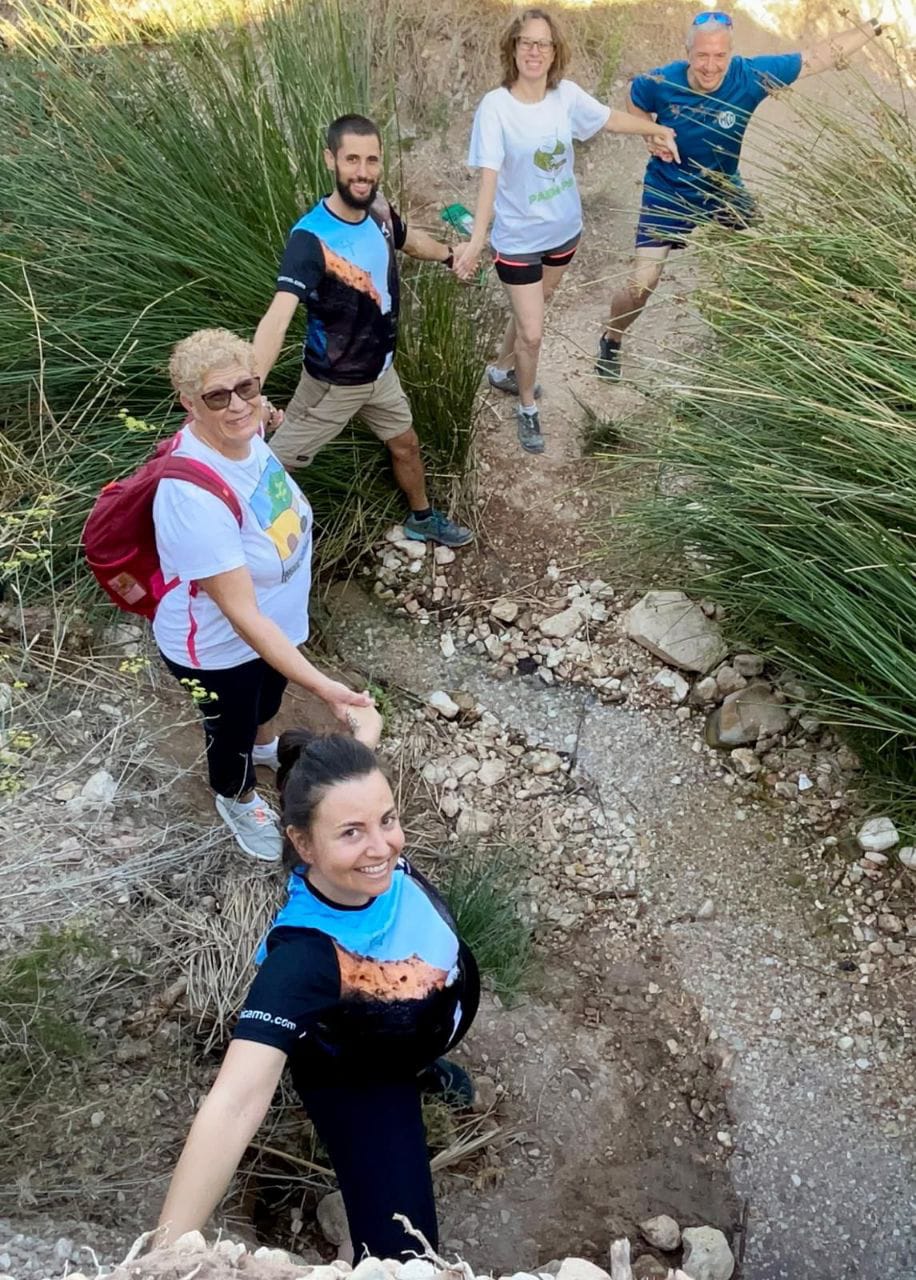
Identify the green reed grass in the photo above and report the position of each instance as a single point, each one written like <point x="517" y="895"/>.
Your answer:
<point x="150" y="178"/>
<point x="794" y="432"/>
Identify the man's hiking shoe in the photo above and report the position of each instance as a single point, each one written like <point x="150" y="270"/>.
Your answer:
<point x="449" y="1082"/>
<point x="255" y="828"/>
<point x="529" y="431"/>
<point x="505" y="380"/>
<point x="607" y="365"/>
<point x="437" y="528"/>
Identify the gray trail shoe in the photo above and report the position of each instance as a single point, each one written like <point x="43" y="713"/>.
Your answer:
<point x="529" y="431"/>
<point x="437" y="528"/>
<point x="505" y="380"/>
<point x="256" y="829"/>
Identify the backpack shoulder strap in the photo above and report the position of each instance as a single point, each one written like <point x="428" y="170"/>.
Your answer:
<point x="204" y="477"/>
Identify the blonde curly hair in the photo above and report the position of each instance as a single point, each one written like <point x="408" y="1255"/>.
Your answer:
<point x="202" y="351"/>
<point x="561" y="51"/>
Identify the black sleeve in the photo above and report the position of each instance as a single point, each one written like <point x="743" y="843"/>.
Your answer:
<point x="301" y="266"/>
<point x="299" y="979"/>
<point x="399" y="227"/>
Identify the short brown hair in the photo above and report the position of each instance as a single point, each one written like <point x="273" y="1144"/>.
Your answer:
<point x="508" y="42"/>
<point x="206" y="349"/>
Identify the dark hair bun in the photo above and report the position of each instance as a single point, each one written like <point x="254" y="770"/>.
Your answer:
<point x="291" y="744"/>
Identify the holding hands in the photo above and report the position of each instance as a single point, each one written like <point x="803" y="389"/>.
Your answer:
<point x="664" y="145"/>
<point x="466" y="257"/>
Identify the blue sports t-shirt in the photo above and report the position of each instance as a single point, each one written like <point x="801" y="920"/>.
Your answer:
<point x="710" y="127"/>
<point x="346" y="275"/>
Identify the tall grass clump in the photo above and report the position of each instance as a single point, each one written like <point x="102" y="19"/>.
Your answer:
<point x="150" y="177"/>
<point x="793" y="435"/>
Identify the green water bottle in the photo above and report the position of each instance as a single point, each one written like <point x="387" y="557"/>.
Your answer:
<point x="461" y="220"/>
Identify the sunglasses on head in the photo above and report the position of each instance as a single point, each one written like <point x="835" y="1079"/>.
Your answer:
<point x="219" y="398"/>
<point x="714" y="15"/>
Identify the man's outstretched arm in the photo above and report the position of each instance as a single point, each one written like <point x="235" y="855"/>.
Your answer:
<point x="834" y="51"/>
<point x="420" y="244"/>
<point x="271" y="332"/>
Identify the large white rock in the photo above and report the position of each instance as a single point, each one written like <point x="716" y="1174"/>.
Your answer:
<point x="662" y="1232"/>
<point x="676" y="629"/>
<point x="877" y="834"/>
<point x="560" y="626"/>
<point x="706" y="1254"/>
<point x="441" y="702"/>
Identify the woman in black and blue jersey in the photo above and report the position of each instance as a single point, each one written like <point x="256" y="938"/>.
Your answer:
<point x="363" y="984"/>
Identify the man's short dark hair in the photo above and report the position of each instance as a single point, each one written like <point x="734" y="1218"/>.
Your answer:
<point x="362" y="126"/>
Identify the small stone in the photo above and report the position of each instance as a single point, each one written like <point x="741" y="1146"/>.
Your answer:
<point x="728" y="680"/>
<point x="646" y="1267"/>
<point x="447" y="644"/>
<point x="474" y="822"/>
<point x="190" y="1242"/>
<point x="465" y="765"/>
<point x="97" y="792"/>
<point x="845" y="1043"/>
<point x="706" y="1254"/>
<point x="877" y="834"/>
<point x="396" y="534"/>
<point x="675" y="629"/>
<point x="97" y="1119"/>
<point x="332" y="1218"/>
<point x="746" y="761"/>
<point x="416" y="1269"/>
<point x="413" y="549"/>
<point x="449" y="804"/>
<point x="542" y="762"/>
<point x="441" y="702"/>
<point x="504" y="610"/>
<point x="907" y="857"/>
<point x="63" y="1249"/>
<point x="876" y="859"/>
<point x="748" y="664"/>
<point x="662" y="1232"/>
<point x="705" y="690"/>
<point x="745" y="716"/>
<point x="563" y="625"/>
<point x="804" y="782"/>
<point x="674" y="682"/>
<point x="491" y="772"/>
<point x="580" y="1269"/>
<point x="230" y="1250"/>
<point x="707" y="911"/>
<point x="443" y="555"/>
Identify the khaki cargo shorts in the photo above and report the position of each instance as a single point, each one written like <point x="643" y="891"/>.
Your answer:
<point x="319" y="411"/>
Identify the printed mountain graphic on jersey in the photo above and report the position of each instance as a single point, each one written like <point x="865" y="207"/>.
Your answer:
<point x="410" y="979"/>
<point x="552" y="160"/>
<point x="350" y="274"/>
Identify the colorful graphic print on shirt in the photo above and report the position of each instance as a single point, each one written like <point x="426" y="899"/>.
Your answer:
<point x="276" y="509"/>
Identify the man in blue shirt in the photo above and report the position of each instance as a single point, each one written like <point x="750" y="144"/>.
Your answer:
<point x="708" y="99"/>
<point x="340" y="263"/>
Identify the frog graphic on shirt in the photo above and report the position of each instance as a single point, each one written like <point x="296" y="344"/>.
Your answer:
<point x="550" y="157"/>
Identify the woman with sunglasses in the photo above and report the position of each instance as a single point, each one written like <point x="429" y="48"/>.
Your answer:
<point x="522" y="143"/>
<point x="229" y="630"/>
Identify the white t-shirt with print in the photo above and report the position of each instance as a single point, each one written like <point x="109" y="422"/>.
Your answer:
<point x="198" y="536"/>
<point x="530" y="143"/>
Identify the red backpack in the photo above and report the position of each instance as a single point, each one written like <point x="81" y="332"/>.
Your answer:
<point x="119" y="539"/>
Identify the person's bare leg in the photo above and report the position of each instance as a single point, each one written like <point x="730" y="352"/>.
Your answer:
<point x="408" y="468"/>
<point x="506" y="357"/>
<point x="527" y="302"/>
<point x="628" y="302"/>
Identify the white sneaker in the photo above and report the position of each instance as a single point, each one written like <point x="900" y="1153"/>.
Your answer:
<point x="266" y="755"/>
<point x="255" y="827"/>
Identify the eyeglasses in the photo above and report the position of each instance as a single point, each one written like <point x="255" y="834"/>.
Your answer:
<point x="220" y="397"/>
<point x="526" y="45"/>
<point x="714" y="15"/>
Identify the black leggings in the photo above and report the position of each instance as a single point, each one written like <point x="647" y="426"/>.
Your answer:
<point x="375" y="1138"/>
<point x="246" y="696"/>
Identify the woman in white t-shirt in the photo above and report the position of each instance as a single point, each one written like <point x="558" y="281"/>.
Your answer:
<point x="229" y="628"/>
<point x="522" y="143"/>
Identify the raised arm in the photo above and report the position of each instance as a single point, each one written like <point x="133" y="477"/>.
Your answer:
<point x="228" y="1119"/>
<point x="233" y="594"/>
<point x="271" y="331"/>
<point x="466" y="254"/>
<point x="834" y="51"/>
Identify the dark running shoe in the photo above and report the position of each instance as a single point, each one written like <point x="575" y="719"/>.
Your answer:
<point x="449" y="1082"/>
<point x="607" y="365"/>
<point x="505" y="380"/>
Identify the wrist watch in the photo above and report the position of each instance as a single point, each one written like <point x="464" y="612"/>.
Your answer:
<point x="449" y="262"/>
<point x="875" y="25"/>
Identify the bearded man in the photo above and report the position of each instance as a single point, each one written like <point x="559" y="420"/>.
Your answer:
<point x="340" y="263"/>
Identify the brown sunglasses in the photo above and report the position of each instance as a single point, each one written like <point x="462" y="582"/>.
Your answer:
<point x="219" y="397"/>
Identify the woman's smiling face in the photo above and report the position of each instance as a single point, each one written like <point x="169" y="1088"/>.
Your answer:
<point x="354" y="840"/>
